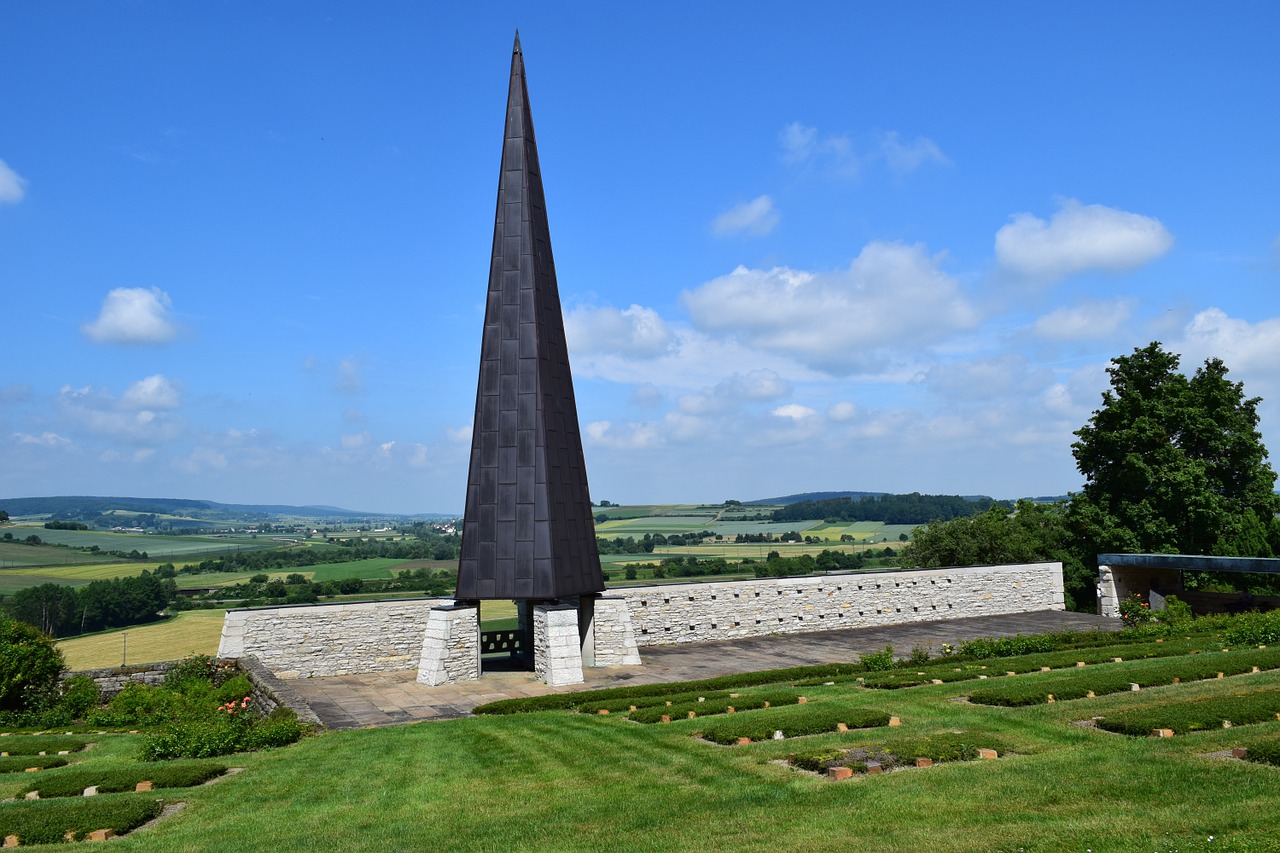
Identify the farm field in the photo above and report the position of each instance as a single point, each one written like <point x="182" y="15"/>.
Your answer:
<point x="188" y="633"/>
<point x="13" y="554"/>
<point x="157" y="547"/>
<point x="572" y="781"/>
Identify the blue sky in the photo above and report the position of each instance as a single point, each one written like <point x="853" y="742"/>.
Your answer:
<point x="244" y="246"/>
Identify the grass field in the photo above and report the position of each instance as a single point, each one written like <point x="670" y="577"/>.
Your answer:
<point x="188" y="633"/>
<point x="562" y="781"/>
<point x="16" y="554"/>
<point x="157" y="547"/>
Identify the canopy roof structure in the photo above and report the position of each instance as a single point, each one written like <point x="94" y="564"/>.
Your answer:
<point x="1191" y="562"/>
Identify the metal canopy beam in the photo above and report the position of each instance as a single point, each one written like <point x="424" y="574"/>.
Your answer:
<point x="1191" y="562"/>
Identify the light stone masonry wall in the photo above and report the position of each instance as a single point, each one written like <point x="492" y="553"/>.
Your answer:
<point x="696" y="612"/>
<point x="557" y="650"/>
<point x="383" y="636"/>
<point x="301" y="641"/>
<point x="451" y="647"/>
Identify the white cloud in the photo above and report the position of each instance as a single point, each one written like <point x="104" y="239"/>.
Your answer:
<point x="354" y="442"/>
<point x="15" y="392"/>
<point x="636" y="332"/>
<point x="202" y="460"/>
<point x="1250" y="351"/>
<point x="842" y="411"/>
<point x="1088" y="321"/>
<point x="989" y="378"/>
<point x="154" y="392"/>
<point x="631" y="436"/>
<point x="459" y="435"/>
<point x="44" y="439"/>
<point x="907" y="156"/>
<point x="1078" y="238"/>
<point x="842" y="321"/>
<point x="730" y="393"/>
<point x="795" y="412"/>
<point x="12" y="185"/>
<point x="133" y="315"/>
<point x="349" y="379"/>
<point x="804" y="146"/>
<point x="756" y="218"/>
<point x="646" y="395"/>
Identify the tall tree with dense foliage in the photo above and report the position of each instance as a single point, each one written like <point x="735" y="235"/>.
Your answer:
<point x="1174" y="464"/>
<point x="1032" y="533"/>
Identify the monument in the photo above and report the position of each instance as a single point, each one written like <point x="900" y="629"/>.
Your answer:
<point x="528" y="533"/>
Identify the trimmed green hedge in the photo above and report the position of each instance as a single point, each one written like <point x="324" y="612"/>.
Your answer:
<point x="47" y="822"/>
<point x="72" y="783"/>
<point x="1104" y="680"/>
<point x="711" y="707"/>
<point x="1197" y="715"/>
<point x="36" y="744"/>
<point x="614" y="706"/>
<point x="19" y="763"/>
<point x="950" y="746"/>
<point x="794" y="721"/>
<point x="582" y="699"/>
<point x="1266" y="752"/>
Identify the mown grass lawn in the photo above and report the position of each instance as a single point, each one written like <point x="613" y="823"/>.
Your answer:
<point x="562" y="781"/>
<point x="188" y="633"/>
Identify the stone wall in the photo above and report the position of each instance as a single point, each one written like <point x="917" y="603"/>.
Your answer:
<point x="696" y="612"/>
<point x="111" y="681"/>
<point x="615" y="639"/>
<point x="383" y="636"/>
<point x="557" y="649"/>
<point x="301" y="641"/>
<point x="451" y="646"/>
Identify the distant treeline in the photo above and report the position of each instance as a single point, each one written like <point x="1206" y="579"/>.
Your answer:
<point x="61" y="611"/>
<point x="631" y="545"/>
<point x="431" y="547"/>
<point x="913" y="508"/>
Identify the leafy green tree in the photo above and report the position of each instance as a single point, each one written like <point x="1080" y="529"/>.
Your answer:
<point x="1032" y="533"/>
<point x="4" y="516"/>
<point x="29" y="665"/>
<point x="1174" y="464"/>
<point x="51" y="607"/>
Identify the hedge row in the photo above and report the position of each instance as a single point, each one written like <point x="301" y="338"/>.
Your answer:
<point x="18" y="763"/>
<point x="1266" y="752"/>
<point x="73" y="782"/>
<point x="572" y="701"/>
<point x="49" y="821"/>
<point x="946" y="671"/>
<point x="1198" y="715"/>
<point x="795" y="721"/>
<point x="36" y="744"/>
<point x="1102" y="681"/>
<point x="950" y="746"/>
<point x="714" y="706"/>
<point x="613" y="706"/>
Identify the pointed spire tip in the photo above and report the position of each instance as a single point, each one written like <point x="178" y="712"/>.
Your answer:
<point x="516" y="47"/>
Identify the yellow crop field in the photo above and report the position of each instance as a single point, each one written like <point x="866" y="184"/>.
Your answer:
<point x="189" y="633"/>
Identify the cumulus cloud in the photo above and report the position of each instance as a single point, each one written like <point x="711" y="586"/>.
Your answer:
<point x="905" y="156"/>
<point x="837" y="322"/>
<point x="459" y="435"/>
<point x="202" y="460"/>
<point x="631" y="436"/>
<point x="647" y="395"/>
<point x="15" y="392"/>
<point x="756" y="218"/>
<point x="133" y="315"/>
<point x="356" y="441"/>
<point x="1077" y="238"/>
<point x="795" y="412"/>
<point x="804" y="146"/>
<point x="1088" y="321"/>
<point x="1250" y="351"/>
<point x="12" y="185"/>
<point x="636" y="332"/>
<point x="730" y="393"/>
<point x="154" y="392"/>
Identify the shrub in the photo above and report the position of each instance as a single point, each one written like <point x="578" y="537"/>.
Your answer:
<point x="80" y="695"/>
<point x="139" y="705"/>
<point x="1004" y="647"/>
<point x="36" y="744"/>
<point x="199" y="668"/>
<point x="225" y="734"/>
<point x="1134" y="611"/>
<point x="1198" y="715"/>
<point x="1266" y="752"/>
<point x="19" y="763"/>
<point x="877" y="661"/>
<point x="713" y="706"/>
<point x="29" y="666"/>
<point x="49" y="822"/>
<point x="794" y="721"/>
<point x="71" y="783"/>
<point x="1254" y="629"/>
<point x="950" y="746"/>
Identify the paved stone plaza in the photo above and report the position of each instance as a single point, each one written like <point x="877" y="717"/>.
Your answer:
<point x="393" y="698"/>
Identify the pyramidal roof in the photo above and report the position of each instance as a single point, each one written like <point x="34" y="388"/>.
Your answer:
<point x="528" y="532"/>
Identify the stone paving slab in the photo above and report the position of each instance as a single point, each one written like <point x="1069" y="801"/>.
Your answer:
<point x="396" y="698"/>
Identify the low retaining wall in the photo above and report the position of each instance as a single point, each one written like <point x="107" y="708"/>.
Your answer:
<point x="304" y="640"/>
<point x="384" y="636"/>
<point x="697" y="612"/>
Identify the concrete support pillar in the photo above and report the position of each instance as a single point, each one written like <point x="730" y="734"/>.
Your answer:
<point x="557" y="646"/>
<point x="1108" y="594"/>
<point x="586" y="629"/>
<point x="614" y="638"/>
<point x="451" y="647"/>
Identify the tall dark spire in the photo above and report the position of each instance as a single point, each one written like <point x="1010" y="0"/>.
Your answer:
<point x="528" y="532"/>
